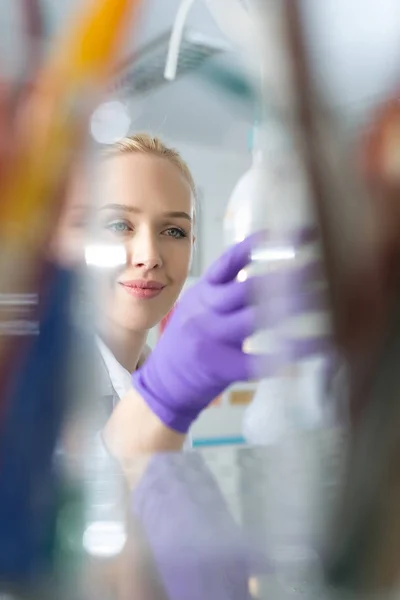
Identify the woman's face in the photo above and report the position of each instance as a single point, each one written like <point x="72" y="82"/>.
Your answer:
<point x="145" y="206"/>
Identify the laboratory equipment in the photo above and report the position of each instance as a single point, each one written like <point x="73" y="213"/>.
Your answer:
<point x="301" y="94"/>
<point x="327" y="95"/>
<point x="274" y="194"/>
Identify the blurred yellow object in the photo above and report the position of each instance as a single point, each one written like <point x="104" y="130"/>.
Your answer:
<point x="45" y="138"/>
<point x="79" y="63"/>
<point x="89" y="47"/>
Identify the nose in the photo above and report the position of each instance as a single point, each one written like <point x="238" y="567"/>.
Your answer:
<point x="144" y="250"/>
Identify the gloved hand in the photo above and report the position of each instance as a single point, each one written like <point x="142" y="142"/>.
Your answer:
<point x="200" y="353"/>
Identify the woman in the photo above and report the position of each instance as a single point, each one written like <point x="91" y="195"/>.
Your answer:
<point x="147" y="205"/>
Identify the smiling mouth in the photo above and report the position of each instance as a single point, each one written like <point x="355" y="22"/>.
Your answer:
<point x="142" y="289"/>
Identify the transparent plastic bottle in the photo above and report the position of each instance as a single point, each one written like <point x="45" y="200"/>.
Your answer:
<point x="273" y="195"/>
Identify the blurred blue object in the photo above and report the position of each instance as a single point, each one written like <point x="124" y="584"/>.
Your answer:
<point x="29" y="431"/>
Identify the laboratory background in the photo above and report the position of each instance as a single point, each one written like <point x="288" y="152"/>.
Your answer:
<point x="250" y="447"/>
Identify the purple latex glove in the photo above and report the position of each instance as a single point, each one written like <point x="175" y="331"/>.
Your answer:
<point x="200" y="353"/>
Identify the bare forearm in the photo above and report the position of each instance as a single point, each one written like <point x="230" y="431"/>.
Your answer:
<point x="134" y="430"/>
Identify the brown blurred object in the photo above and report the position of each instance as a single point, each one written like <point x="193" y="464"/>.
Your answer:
<point x="368" y="557"/>
<point x="241" y="397"/>
<point x="357" y="249"/>
<point x="356" y="193"/>
<point x="381" y="151"/>
<point x="380" y="165"/>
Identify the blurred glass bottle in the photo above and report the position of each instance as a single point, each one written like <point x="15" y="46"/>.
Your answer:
<point x="273" y="196"/>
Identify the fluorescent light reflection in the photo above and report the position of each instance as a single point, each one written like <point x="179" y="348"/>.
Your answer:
<point x="106" y="256"/>
<point x="242" y="275"/>
<point x="273" y="254"/>
<point x="110" y="122"/>
<point x="104" y="538"/>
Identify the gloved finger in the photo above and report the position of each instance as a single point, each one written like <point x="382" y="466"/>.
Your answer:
<point x="239" y="366"/>
<point x="281" y="308"/>
<point x="294" y="349"/>
<point x="236" y="326"/>
<point x="235" y="295"/>
<point x="296" y="238"/>
<point x="261" y="366"/>
<point x="227" y="266"/>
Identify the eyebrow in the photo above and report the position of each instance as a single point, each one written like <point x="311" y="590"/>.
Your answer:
<point x="175" y="213"/>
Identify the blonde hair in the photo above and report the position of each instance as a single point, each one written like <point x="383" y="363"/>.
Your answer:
<point x="147" y="144"/>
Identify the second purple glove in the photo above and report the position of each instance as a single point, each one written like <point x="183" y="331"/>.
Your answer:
<point x="200" y="353"/>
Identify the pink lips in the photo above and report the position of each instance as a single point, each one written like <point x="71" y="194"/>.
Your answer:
<point x="143" y="289"/>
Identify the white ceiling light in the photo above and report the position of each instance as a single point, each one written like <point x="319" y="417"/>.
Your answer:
<point x="110" y="122"/>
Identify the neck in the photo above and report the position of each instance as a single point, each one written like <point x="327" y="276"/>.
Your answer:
<point x="125" y="344"/>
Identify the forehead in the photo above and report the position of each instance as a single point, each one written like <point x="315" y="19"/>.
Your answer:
<point x="145" y="181"/>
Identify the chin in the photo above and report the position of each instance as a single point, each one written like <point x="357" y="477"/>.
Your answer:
<point x="134" y="315"/>
<point x="142" y="320"/>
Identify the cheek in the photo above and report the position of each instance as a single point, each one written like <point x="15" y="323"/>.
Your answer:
<point x="179" y="262"/>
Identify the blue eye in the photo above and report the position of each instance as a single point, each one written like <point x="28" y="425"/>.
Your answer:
<point x="175" y="232"/>
<point x="119" y="227"/>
